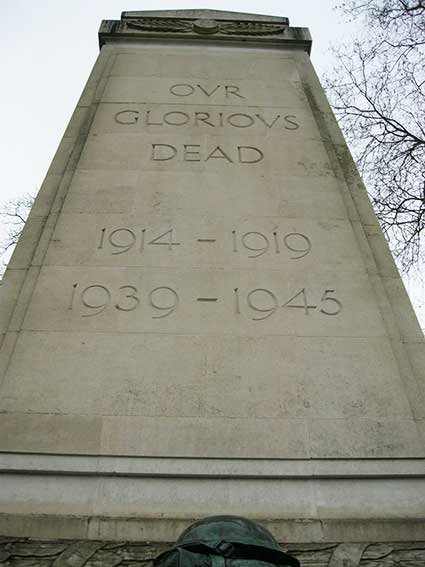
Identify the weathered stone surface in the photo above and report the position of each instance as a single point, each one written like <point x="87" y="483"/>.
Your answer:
<point x="36" y="549"/>
<point x="203" y="310"/>
<point x="77" y="554"/>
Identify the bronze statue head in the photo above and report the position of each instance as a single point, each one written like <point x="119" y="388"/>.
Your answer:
<point x="225" y="541"/>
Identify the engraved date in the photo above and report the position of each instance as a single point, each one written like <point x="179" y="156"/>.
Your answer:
<point x="257" y="243"/>
<point x="92" y="300"/>
<point x="253" y="243"/>
<point x="263" y="303"/>
<point x="121" y="240"/>
<point x="259" y="303"/>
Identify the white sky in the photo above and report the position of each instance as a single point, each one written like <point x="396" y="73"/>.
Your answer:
<point x="48" y="48"/>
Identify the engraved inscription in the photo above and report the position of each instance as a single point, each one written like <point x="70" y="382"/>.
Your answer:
<point x="130" y="300"/>
<point x="253" y="243"/>
<point x="127" y="117"/>
<point x="257" y="303"/>
<point x="333" y="305"/>
<point x="258" y="243"/>
<point x="96" y="298"/>
<point x="165" y="239"/>
<point x="211" y="119"/>
<point x="163" y="294"/>
<point x="188" y="89"/>
<point x="194" y="152"/>
<point x="260" y="306"/>
<point x="265" y="303"/>
<point x="121" y="240"/>
<point x="262" y="303"/>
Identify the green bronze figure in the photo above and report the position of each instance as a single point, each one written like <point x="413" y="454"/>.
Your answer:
<point x="225" y="541"/>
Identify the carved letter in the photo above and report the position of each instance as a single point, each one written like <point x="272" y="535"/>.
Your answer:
<point x="244" y="157"/>
<point x="232" y="117"/>
<point x="203" y="117"/>
<point x="206" y="92"/>
<point x="179" y="122"/>
<point x="264" y="121"/>
<point x="232" y="90"/>
<point x="133" y="119"/>
<point x="182" y="89"/>
<point x="163" y="154"/>
<point x="188" y="152"/>
<point x="148" y="112"/>
<point x="294" y="126"/>
<point x="220" y="155"/>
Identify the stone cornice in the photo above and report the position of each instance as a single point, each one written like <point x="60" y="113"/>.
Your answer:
<point x="202" y="25"/>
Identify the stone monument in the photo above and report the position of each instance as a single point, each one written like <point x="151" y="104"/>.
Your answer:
<point x="202" y="315"/>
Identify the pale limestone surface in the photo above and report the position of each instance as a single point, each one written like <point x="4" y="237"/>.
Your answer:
<point x="202" y="302"/>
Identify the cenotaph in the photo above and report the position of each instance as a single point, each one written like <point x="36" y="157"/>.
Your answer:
<point x="202" y="315"/>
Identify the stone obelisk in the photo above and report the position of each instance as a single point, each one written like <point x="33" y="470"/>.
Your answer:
<point x="202" y="315"/>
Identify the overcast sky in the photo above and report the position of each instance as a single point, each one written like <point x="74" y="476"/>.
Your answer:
<point x="48" y="48"/>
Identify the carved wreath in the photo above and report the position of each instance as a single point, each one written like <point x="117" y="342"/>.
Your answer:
<point x="205" y="26"/>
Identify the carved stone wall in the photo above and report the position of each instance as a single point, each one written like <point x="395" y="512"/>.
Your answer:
<point x="202" y="313"/>
<point x="42" y="553"/>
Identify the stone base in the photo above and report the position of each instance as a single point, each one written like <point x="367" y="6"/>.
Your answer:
<point x="88" y="497"/>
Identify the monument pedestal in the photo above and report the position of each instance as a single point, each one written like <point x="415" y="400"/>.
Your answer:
<point x="202" y="315"/>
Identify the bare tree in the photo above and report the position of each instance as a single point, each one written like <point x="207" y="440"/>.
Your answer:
<point x="377" y="90"/>
<point x="14" y="214"/>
